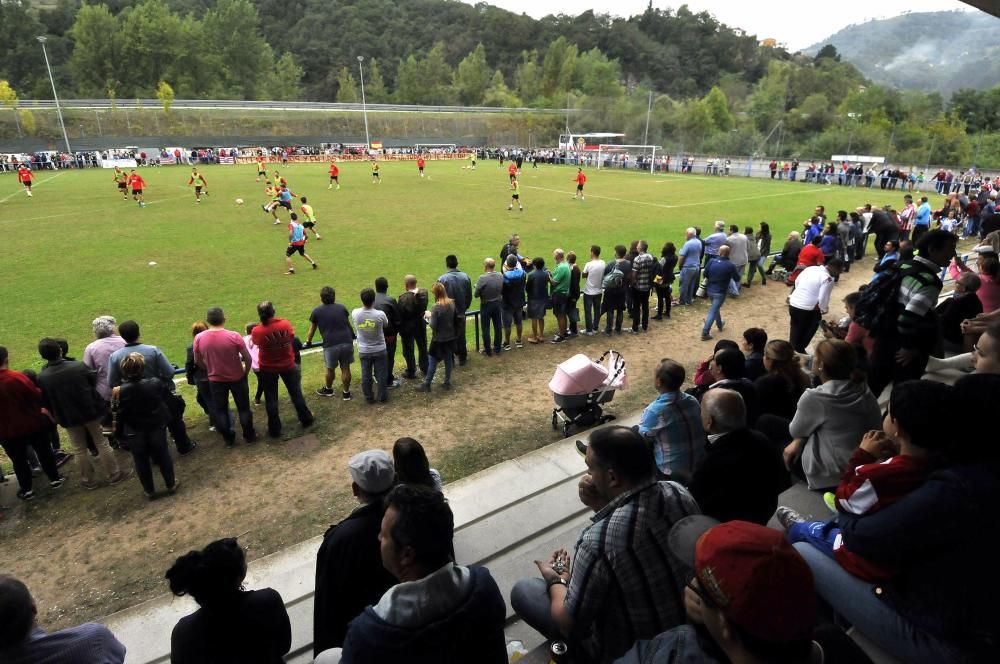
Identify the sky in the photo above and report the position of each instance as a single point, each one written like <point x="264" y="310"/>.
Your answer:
<point x="796" y="23"/>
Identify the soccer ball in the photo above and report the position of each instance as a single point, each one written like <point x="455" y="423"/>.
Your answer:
<point x="554" y="219"/>
<point x="152" y="263"/>
<point x="239" y="201"/>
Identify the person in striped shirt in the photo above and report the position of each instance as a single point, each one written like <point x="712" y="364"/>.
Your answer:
<point x="901" y="353"/>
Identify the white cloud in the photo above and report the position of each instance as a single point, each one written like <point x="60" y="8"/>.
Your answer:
<point x="797" y="23"/>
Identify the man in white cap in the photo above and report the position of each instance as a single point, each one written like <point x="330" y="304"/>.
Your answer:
<point x="349" y="571"/>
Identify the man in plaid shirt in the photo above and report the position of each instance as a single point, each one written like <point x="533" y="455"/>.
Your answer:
<point x="622" y="585"/>
<point x="643" y="268"/>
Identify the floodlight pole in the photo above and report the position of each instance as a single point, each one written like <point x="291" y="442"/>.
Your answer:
<point x="41" y="39"/>
<point x="364" y="104"/>
<point x="649" y="108"/>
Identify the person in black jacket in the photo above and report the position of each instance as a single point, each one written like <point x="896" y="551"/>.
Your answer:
<point x="412" y="327"/>
<point x="440" y="613"/>
<point x="729" y="367"/>
<point x="387" y="304"/>
<point x="664" y="291"/>
<point x="349" y="571"/>
<point x="742" y="473"/>
<point x="233" y="626"/>
<point x="142" y="412"/>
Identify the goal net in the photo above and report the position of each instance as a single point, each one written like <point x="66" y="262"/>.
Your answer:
<point x="640" y="157"/>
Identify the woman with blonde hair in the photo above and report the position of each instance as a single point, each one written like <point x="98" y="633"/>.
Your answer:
<point x="779" y="389"/>
<point x="140" y="407"/>
<point x="441" y="319"/>
<point x="831" y="419"/>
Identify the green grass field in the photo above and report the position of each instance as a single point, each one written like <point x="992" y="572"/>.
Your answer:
<point x="76" y="250"/>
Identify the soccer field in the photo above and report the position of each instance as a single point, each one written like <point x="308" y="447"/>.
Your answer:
<point x="76" y="250"/>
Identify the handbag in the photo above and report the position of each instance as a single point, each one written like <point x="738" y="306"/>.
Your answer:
<point x="116" y="425"/>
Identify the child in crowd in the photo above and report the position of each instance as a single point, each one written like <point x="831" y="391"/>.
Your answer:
<point x="887" y="466"/>
<point x="254" y="361"/>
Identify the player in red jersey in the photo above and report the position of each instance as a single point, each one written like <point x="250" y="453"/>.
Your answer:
<point x="512" y="171"/>
<point x="420" y="165"/>
<point x="581" y="179"/>
<point x="334" y="176"/>
<point x="25" y="176"/>
<point x="137" y="184"/>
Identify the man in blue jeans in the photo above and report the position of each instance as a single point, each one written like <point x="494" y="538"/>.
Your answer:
<point x="489" y="290"/>
<point x="719" y="271"/>
<point x="689" y="259"/>
<point x="369" y="323"/>
<point x="275" y="337"/>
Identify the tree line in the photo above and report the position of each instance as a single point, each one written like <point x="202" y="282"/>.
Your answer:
<point x="707" y="87"/>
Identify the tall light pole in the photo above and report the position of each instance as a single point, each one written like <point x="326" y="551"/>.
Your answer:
<point x="41" y="39"/>
<point x="645" y="134"/>
<point x="364" y="104"/>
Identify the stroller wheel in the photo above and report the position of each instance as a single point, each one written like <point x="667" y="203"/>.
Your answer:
<point x="566" y="429"/>
<point x="555" y="421"/>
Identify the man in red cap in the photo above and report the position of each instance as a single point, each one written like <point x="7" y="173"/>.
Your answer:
<point x="751" y="599"/>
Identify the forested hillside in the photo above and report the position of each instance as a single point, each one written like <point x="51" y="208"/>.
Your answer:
<point x="708" y="87"/>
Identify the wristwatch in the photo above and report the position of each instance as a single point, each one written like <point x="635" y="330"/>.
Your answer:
<point x="557" y="581"/>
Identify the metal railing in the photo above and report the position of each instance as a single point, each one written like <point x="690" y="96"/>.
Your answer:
<point x="239" y="104"/>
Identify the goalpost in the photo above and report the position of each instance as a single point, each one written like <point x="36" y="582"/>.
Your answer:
<point x="605" y="149"/>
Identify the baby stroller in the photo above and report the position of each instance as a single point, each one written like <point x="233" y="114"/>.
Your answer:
<point x="579" y="387"/>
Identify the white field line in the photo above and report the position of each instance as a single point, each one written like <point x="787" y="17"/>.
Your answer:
<point x="682" y="205"/>
<point x="36" y="184"/>
<point x="91" y="211"/>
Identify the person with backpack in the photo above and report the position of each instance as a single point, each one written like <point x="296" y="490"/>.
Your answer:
<point x="614" y="284"/>
<point x="898" y="311"/>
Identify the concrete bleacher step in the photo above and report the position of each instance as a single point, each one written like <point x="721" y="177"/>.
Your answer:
<point x="506" y="517"/>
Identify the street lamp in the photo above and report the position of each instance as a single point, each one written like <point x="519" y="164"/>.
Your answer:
<point x="41" y="39"/>
<point x="364" y="105"/>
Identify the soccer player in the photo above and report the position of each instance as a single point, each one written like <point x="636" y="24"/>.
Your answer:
<point x="580" y="180"/>
<point x="296" y="243"/>
<point x="137" y="184"/>
<point x="272" y="197"/>
<point x="515" y="196"/>
<point x="472" y="156"/>
<point x="512" y="172"/>
<point x="279" y="181"/>
<point x="24" y="176"/>
<point x="310" y="215"/>
<point x="261" y="169"/>
<point x="284" y="200"/>
<point x="375" y="176"/>
<point x="420" y="165"/>
<point x="121" y="179"/>
<point x="199" y="182"/>
<point x="334" y="176"/>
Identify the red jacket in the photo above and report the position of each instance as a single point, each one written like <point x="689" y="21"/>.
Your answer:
<point x="20" y="405"/>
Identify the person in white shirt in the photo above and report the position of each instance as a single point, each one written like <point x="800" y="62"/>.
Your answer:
<point x="593" y="272"/>
<point x="810" y="301"/>
<point x="369" y="323"/>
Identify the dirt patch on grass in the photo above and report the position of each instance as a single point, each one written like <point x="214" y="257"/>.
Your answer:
<point x="86" y="554"/>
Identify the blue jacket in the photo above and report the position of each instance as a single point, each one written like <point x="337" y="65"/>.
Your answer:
<point x="459" y="288"/>
<point x="942" y="539"/>
<point x="718" y="273"/>
<point x="472" y="631"/>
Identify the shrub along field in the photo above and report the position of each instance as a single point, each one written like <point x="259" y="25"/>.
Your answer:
<point x="76" y="250"/>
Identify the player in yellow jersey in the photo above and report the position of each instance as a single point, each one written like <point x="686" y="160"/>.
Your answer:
<point x="200" y="184"/>
<point x="376" y="178"/>
<point x="271" y="192"/>
<point x="121" y="179"/>
<point x="515" y="196"/>
<point x="261" y="169"/>
<point x="310" y="223"/>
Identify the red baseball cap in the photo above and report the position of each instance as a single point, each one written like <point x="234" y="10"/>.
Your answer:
<point x="752" y="573"/>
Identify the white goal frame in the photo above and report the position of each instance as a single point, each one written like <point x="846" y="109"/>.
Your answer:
<point x="606" y="148"/>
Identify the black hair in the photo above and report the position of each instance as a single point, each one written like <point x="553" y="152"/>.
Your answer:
<point x="625" y="451"/>
<point x="731" y="363"/>
<point x="212" y="576"/>
<point x="765" y="229"/>
<point x="620" y="250"/>
<point x="63" y="346"/>
<point x="367" y="297"/>
<point x="3" y="355"/>
<point x="733" y="228"/>
<point x="265" y="311"/>
<point x="327" y="295"/>
<point x="451" y="261"/>
<point x="49" y="349"/>
<point x="129" y="331"/>
<point x="977" y="444"/>
<point x="756" y="337"/>
<point x="595" y="249"/>
<point x="381" y="285"/>
<point x="670" y="374"/>
<point x="669" y="249"/>
<point x="410" y="461"/>
<point x="722" y="344"/>
<point x="17" y="611"/>
<point x="425" y="524"/>
<point x="215" y="316"/>
<point x="852" y="299"/>
<point x="836" y="263"/>
<point x="538" y="262"/>
<point x="935" y="239"/>
<point x="922" y="409"/>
